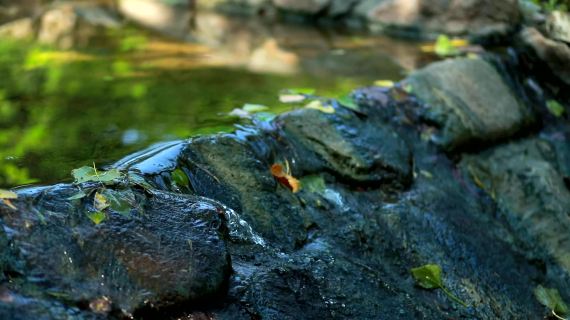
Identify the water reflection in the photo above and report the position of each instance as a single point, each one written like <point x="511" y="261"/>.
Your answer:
<point x="126" y="89"/>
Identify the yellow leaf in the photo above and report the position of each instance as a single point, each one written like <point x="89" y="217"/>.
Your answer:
<point x="384" y="83"/>
<point x="7" y="194"/>
<point x="100" y="202"/>
<point x="318" y="105"/>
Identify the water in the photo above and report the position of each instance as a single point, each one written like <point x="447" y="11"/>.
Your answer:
<point x="127" y="89"/>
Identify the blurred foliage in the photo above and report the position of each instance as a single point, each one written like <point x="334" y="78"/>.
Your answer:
<point x="61" y="110"/>
<point x="552" y="5"/>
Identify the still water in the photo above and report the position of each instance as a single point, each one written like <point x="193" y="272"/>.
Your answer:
<point x="128" y="88"/>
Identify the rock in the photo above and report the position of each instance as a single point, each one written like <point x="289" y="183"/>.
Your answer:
<point x="555" y="55"/>
<point x="162" y="251"/>
<point x="302" y="6"/>
<point x="175" y="18"/>
<point x="469" y="101"/>
<point x="558" y="26"/>
<point x="353" y="149"/>
<point x="526" y="179"/>
<point x="66" y="24"/>
<point x="18" y="29"/>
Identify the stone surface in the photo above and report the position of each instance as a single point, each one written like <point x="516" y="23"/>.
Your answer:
<point x="554" y="55"/>
<point x="165" y="250"/>
<point x="307" y="6"/>
<point x="469" y="101"/>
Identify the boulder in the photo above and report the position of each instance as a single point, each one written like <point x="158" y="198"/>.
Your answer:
<point x="470" y="102"/>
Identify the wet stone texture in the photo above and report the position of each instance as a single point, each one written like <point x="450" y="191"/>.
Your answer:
<point x="210" y="233"/>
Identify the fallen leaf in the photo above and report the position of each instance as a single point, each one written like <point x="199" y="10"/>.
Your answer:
<point x="253" y="108"/>
<point x="555" y="108"/>
<point x="291" y="98"/>
<point x="429" y="277"/>
<point x="285" y="178"/>
<point x="348" y="102"/>
<point x="100" y="202"/>
<point x="384" y="83"/>
<point x="179" y="178"/>
<point x="313" y="183"/>
<point x="80" y="195"/>
<point x="318" y="105"/>
<point x="7" y="194"/>
<point x="101" y="305"/>
<point x="97" y="217"/>
<point x="86" y="174"/>
<point x="551" y="299"/>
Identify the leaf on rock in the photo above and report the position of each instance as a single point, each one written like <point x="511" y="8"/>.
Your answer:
<point x="555" y="108"/>
<point x="139" y="180"/>
<point x="318" y="105"/>
<point x="291" y="98"/>
<point x="120" y="201"/>
<point x="179" y="178"/>
<point x="100" y="202"/>
<point x="428" y="276"/>
<point x="87" y="174"/>
<point x="7" y="194"/>
<point x="303" y="91"/>
<point x="550" y="298"/>
<point x="348" y="102"/>
<point x="285" y="178"/>
<point x="97" y="217"/>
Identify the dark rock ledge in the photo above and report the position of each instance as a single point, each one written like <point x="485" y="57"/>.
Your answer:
<point x="398" y="193"/>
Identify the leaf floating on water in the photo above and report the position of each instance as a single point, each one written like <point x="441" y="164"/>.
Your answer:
<point x="318" y="105"/>
<point x="97" y="217"/>
<point x="429" y="277"/>
<point x="348" y="102"/>
<point x="384" y="83"/>
<point x="291" y="98"/>
<point x="303" y="91"/>
<point x="285" y="178"/>
<point x="253" y="108"/>
<point x="100" y="202"/>
<point x="550" y="298"/>
<point x="555" y="108"/>
<point x="90" y="174"/>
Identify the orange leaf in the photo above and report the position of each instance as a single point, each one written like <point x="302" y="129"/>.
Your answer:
<point x="284" y="178"/>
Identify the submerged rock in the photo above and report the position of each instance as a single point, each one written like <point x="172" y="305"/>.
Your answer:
<point x="470" y="102"/>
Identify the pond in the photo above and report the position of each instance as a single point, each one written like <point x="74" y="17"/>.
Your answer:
<point x="128" y="88"/>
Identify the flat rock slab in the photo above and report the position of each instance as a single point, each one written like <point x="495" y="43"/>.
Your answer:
<point x="166" y="250"/>
<point x="469" y="101"/>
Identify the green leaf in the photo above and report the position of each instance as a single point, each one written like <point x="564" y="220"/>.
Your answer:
<point x="97" y="217"/>
<point x="444" y="47"/>
<point x="428" y="276"/>
<point x="253" y="108"/>
<point x="555" y="108"/>
<point x="80" y="195"/>
<point x="551" y="299"/>
<point x="120" y="201"/>
<point x="318" y="105"/>
<point x="384" y="83"/>
<point x="86" y="174"/>
<point x="313" y="183"/>
<point x="7" y="194"/>
<point x="180" y="178"/>
<point x="139" y="180"/>
<point x="304" y="91"/>
<point x="291" y="98"/>
<point x="348" y="102"/>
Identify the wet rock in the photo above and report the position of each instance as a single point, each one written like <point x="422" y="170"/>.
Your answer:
<point x="306" y="7"/>
<point x="165" y="250"/>
<point x="352" y="148"/>
<point x="526" y="179"/>
<point x="475" y="18"/>
<point x="550" y="47"/>
<point x="470" y="102"/>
